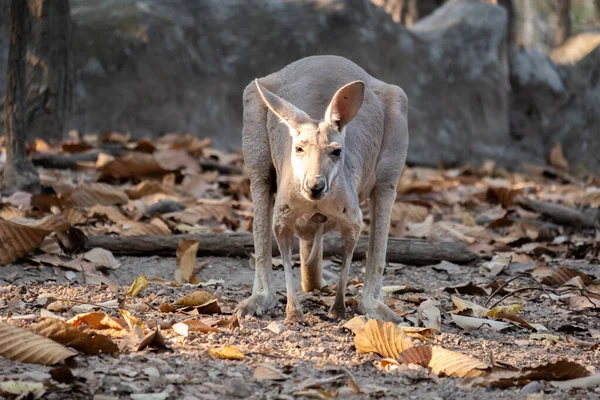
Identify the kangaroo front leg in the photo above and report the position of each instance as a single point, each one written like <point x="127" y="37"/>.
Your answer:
<point x="263" y="293"/>
<point x="382" y="201"/>
<point x="350" y="232"/>
<point x="284" y="233"/>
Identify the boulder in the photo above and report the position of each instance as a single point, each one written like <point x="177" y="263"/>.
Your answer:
<point x="557" y="103"/>
<point x="155" y="66"/>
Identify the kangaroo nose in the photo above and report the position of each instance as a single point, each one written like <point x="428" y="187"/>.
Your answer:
<point x="317" y="188"/>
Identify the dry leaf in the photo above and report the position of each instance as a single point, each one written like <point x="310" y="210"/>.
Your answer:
<point x="140" y="283"/>
<point x="110" y="212"/>
<point x="466" y="305"/>
<point x="221" y="210"/>
<point x="557" y="371"/>
<point x="131" y="165"/>
<point x="468" y="234"/>
<point x="227" y="353"/>
<point x="22" y="345"/>
<point x="382" y="337"/>
<point x="355" y="324"/>
<point x="409" y="212"/>
<point x="155" y="227"/>
<point x="268" y="372"/>
<point x="444" y="362"/>
<point x="450" y="363"/>
<point x="90" y="194"/>
<point x="102" y="258"/>
<point x="196" y="298"/>
<point x="95" y="320"/>
<point x="67" y="335"/>
<point x="75" y="216"/>
<point x="18" y="237"/>
<point x="557" y="159"/>
<point x="186" y="260"/>
<point x="146" y="188"/>
<point x="471" y="323"/>
<point x="429" y="315"/>
<point x="510" y="315"/>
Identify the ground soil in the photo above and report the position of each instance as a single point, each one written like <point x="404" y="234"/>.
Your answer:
<point x="308" y="354"/>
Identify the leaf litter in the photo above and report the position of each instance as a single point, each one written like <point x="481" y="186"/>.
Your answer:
<point x="511" y="220"/>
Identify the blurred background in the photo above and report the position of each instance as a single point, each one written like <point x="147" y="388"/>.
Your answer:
<point x="486" y="80"/>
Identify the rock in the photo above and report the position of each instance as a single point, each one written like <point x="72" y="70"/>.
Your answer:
<point x="276" y="327"/>
<point x="532" y="388"/>
<point x="554" y="103"/>
<point x="154" y="66"/>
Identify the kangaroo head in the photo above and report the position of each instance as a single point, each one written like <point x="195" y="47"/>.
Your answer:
<point x="317" y="153"/>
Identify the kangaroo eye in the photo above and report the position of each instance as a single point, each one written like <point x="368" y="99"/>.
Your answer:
<point x="299" y="150"/>
<point x="336" y="152"/>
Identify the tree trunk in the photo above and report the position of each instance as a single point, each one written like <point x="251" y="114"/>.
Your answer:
<point x="19" y="173"/>
<point x="563" y="21"/>
<point x="597" y="12"/>
<point x="49" y="69"/>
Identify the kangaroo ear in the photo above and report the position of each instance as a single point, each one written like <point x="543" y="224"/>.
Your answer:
<point x="286" y="111"/>
<point x="345" y="104"/>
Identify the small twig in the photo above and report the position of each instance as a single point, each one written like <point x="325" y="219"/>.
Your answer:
<point x="512" y="279"/>
<point x="515" y="292"/>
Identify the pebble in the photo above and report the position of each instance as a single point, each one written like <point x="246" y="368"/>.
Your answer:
<point x="532" y="388"/>
<point x="276" y="327"/>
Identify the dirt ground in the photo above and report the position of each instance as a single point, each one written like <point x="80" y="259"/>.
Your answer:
<point x="316" y="356"/>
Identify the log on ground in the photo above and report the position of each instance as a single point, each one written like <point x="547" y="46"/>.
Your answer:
<point x="241" y="244"/>
<point x="71" y="161"/>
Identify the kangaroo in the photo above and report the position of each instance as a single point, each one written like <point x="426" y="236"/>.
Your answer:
<point x="319" y="137"/>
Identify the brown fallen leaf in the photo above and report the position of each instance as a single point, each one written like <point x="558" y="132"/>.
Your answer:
<point x="444" y="362"/>
<point x="146" y="188"/>
<point x="186" y="260"/>
<point x="409" y="212"/>
<point x="468" y="307"/>
<point x="19" y="344"/>
<point x="75" y="216"/>
<point x="561" y="370"/>
<point x="268" y="372"/>
<point x="560" y="276"/>
<point x="153" y="340"/>
<point x="580" y="303"/>
<point x="467" y="288"/>
<point x="227" y="353"/>
<point x="221" y="210"/>
<point x="102" y="258"/>
<point x="382" y="337"/>
<point x="110" y="212"/>
<point x="131" y="165"/>
<point x="96" y="320"/>
<point x="90" y="194"/>
<point x="557" y="159"/>
<point x="512" y="316"/>
<point x="195" y="298"/>
<point x="502" y="195"/>
<point x="155" y="227"/>
<point x="140" y="283"/>
<point x="429" y="315"/>
<point x="67" y="335"/>
<point x="19" y="237"/>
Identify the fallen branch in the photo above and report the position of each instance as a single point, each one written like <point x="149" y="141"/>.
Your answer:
<point x="559" y="213"/>
<point x="70" y="161"/>
<point x="241" y="244"/>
